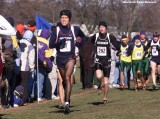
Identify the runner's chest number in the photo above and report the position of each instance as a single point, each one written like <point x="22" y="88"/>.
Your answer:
<point x="101" y="51"/>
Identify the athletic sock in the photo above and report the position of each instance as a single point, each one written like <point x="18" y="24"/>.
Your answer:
<point x="66" y="103"/>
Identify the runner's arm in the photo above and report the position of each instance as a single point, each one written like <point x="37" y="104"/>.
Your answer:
<point x="130" y="49"/>
<point x="52" y="42"/>
<point x="81" y="37"/>
<point x="114" y="42"/>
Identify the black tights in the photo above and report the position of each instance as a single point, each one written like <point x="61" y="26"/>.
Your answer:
<point x="66" y="76"/>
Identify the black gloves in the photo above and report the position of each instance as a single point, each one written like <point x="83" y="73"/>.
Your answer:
<point x="118" y="53"/>
<point x="62" y="43"/>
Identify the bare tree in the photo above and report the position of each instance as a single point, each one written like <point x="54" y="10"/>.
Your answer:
<point x="123" y="15"/>
<point x="89" y="12"/>
<point x="126" y="17"/>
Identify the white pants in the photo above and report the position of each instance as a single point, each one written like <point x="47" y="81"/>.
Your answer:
<point x="51" y="82"/>
<point x="111" y="77"/>
<point x="113" y="65"/>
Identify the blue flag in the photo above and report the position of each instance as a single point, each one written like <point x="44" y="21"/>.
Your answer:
<point x="41" y="23"/>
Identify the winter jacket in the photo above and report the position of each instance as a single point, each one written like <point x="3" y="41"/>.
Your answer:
<point x="27" y="52"/>
<point x="44" y="53"/>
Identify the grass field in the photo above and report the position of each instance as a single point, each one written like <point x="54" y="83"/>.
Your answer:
<point x="126" y="104"/>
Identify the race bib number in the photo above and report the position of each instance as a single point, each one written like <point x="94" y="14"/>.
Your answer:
<point x="101" y="51"/>
<point x="67" y="47"/>
<point x="138" y="55"/>
<point x="124" y="53"/>
<point x="154" y="52"/>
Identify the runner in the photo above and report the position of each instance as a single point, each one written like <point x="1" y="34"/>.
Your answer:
<point x="145" y="62"/>
<point x="64" y="39"/>
<point x="155" y="58"/>
<point x="137" y="50"/>
<point x="125" y="61"/>
<point x="103" y="41"/>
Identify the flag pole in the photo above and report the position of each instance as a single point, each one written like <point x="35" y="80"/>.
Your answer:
<point x="39" y="19"/>
<point x="37" y="65"/>
<point x="37" y="72"/>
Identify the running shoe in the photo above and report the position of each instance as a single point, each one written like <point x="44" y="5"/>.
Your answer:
<point x="66" y="109"/>
<point x="155" y="87"/>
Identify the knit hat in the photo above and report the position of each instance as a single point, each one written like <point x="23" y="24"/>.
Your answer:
<point x="66" y="13"/>
<point x="20" y="28"/>
<point x="155" y="35"/>
<point x="137" y="37"/>
<point x="103" y="23"/>
<point x="28" y="35"/>
<point x="32" y="25"/>
<point x="45" y="33"/>
<point x="142" y="33"/>
<point x="11" y="21"/>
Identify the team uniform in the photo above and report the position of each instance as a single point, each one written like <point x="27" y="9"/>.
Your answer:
<point x="65" y="51"/>
<point x="64" y="39"/>
<point x="145" y="61"/>
<point x="103" y="51"/>
<point x="155" y="60"/>
<point x="155" y="52"/>
<point x="137" y="51"/>
<point x="125" y="61"/>
<point x="137" y="55"/>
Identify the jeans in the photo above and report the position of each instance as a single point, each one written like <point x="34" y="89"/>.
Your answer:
<point x="32" y="84"/>
<point x="40" y="82"/>
<point x="24" y="83"/>
<point x="116" y="75"/>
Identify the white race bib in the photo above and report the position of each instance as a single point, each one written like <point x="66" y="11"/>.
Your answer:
<point x="138" y="55"/>
<point x="101" y="51"/>
<point x="154" y="52"/>
<point x="124" y="53"/>
<point x="67" y="47"/>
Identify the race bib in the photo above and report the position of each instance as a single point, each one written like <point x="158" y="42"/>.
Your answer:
<point x="67" y="47"/>
<point x="154" y="52"/>
<point x="138" y="55"/>
<point x="124" y="53"/>
<point x="101" y="51"/>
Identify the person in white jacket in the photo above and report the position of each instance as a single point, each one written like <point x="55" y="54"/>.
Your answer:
<point x="27" y="60"/>
<point x="6" y="28"/>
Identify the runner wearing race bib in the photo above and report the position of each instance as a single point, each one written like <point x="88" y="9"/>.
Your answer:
<point x="125" y="61"/>
<point x="154" y="45"/>
<point x="103" y="41"/>
<point x="137" y="51"/>
<point x="63" y="38"/>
